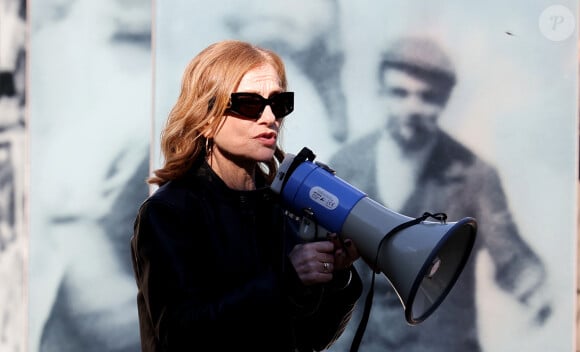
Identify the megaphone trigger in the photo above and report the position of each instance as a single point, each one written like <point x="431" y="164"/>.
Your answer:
<point x="310" y="230"/>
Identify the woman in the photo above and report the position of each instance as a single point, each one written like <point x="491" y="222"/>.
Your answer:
<point x="217" y="260"/>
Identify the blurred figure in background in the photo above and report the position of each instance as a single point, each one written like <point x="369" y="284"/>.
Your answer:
<point x="413" y="166"/>
<point x="306" y="33"/>
<point x="91" y="75"/>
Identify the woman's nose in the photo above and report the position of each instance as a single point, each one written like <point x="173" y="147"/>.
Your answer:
<point x="267" y="115"/>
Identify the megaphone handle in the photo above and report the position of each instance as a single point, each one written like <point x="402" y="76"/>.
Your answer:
<point x="369" y="301"/>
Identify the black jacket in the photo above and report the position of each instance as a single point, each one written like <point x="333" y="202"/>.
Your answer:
<point x="212" y="269"/>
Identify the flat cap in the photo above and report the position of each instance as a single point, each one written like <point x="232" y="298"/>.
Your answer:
<point x="419" y="53"/>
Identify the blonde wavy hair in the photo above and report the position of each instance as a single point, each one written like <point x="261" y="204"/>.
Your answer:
<point x="206" y="86"/>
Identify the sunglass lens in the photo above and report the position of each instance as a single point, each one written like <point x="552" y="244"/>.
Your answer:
<point x="250" y="106"/>
<point x="282" y="104"/>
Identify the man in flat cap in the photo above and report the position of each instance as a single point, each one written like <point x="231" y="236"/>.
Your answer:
<point x="412" y="166"/>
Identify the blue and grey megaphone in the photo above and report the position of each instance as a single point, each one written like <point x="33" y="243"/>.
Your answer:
<point x="421" y="259"/>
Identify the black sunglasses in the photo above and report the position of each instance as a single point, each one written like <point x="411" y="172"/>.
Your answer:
<point x="251" y="105"/>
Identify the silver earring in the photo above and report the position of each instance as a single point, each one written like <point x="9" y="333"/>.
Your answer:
<point x="208" y="146"/>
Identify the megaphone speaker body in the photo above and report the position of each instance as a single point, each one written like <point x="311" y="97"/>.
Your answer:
<point x="422" y="262"/>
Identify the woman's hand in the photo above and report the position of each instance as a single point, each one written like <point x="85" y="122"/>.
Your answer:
<point x="315" y="262"/>
<point x="345" y="251"/>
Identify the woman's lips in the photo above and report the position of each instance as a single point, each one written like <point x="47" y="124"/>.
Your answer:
<point x="268" y="139"/>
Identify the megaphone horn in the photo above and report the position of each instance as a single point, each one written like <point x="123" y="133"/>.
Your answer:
<point x="421" y="259"/>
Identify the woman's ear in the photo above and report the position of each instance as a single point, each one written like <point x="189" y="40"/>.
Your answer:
<point x="208" y="129"/>
<point x="212" y="126"/>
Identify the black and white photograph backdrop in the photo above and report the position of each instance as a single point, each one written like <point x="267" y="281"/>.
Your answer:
<point x="90" y="128"/>
<point x="13" y="240"/>
<point x="103" y="76"/>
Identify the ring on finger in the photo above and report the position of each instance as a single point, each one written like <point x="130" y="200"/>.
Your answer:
<point x="325" y="267"/>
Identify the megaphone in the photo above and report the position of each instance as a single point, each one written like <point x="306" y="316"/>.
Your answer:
<point x="421" y="259"/>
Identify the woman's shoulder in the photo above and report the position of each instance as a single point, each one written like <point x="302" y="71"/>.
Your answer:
<point x="178" y="193"/>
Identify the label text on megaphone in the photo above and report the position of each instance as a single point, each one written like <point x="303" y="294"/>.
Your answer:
<point x="323" y="197"/>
